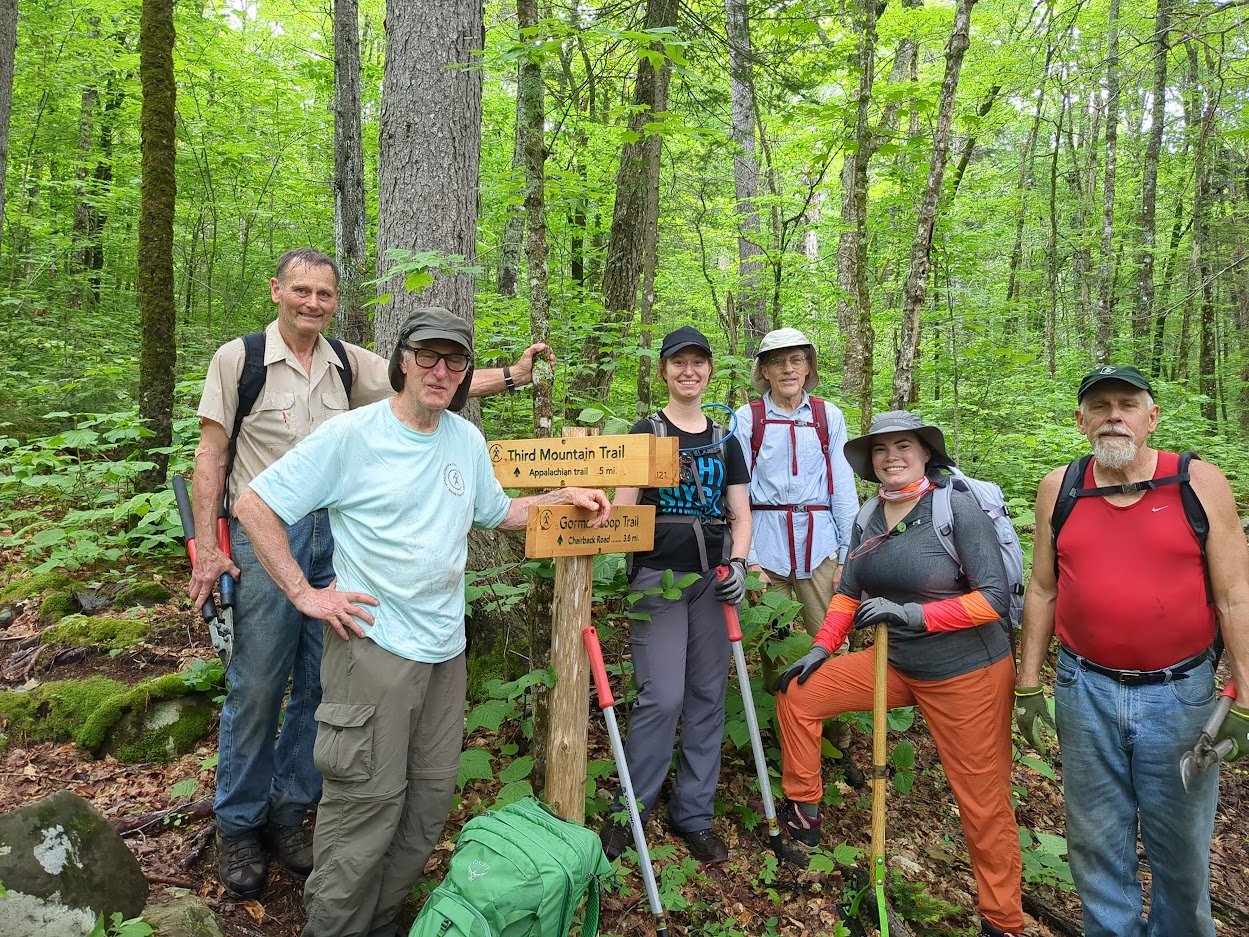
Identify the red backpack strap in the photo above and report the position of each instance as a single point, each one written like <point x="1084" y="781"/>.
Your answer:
<point x="756" y="431"/>
<point x="819" y="413"/>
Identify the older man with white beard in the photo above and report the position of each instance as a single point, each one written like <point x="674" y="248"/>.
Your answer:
<point x="1139" y="607"/>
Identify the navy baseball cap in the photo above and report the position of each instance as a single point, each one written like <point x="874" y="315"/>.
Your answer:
<point x="685" y="337"/>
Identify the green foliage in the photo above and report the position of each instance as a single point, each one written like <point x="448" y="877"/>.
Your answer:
<point x="116" y="927"/>
<point x="912" y="901"/>
<point x="56" y="606"/>
<point x="97" y="631"/>
<point x="1045" y="860"/>
<point x="55" y="711"/>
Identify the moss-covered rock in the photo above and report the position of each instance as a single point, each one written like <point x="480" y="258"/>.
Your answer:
<point x="143" y="593"/>
<point x="97" y="631"/>
<point x="56" y="605"/>
<point x="54" y="712"/>
<point x="35" y="584"/>
<point x="135" y="726"/>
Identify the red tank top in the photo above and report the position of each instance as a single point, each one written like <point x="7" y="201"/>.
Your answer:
<point x="1131" y="580"/>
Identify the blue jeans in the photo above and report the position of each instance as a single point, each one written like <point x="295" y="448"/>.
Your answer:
<point x="1121" y="748"/>
<point x="258" y="780"/>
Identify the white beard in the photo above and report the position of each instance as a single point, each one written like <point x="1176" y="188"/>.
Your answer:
<point x="1114" y="452"/>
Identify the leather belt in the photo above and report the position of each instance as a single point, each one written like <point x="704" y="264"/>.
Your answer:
<point x="1142" y="677"/>
<point x="790" y="510"/>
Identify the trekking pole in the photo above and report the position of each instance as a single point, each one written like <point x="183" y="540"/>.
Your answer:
<point x="778" y="843"/>
<point x="880" y="713"/>
<point x="607" y="704"/>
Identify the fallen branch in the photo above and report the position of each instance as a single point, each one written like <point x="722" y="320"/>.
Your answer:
<point x="198" y="844"/>
<point x="1059" y="923"/>
<point x="196" y="810"/>
<point x="170" y="880"/>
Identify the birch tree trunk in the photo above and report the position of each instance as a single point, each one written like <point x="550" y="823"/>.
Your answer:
<point x="916" y="287"/>
<point x="751" y="298"/>
<point x="430" y="153"/>
<point x="1105" y="285"/>
<point x="158" y="190"/>
<point x="637" y="185"/>
<point x="349" y="225"/>
<point x="514" y="222"/>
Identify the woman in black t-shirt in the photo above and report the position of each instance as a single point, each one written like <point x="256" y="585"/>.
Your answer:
<point x="681" y="654"/>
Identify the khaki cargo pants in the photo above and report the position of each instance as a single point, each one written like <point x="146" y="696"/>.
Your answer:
<point x="389" y="736"/>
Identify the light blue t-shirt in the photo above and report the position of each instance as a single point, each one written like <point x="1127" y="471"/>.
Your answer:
<point x="400" y="505"/>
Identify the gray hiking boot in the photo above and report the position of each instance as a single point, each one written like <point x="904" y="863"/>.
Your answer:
<point x="241" y="864"/>
<point x="290" y="845"/>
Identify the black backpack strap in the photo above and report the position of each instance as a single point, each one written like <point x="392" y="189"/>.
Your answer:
<point x="344" y="366"/>
<point x="251" y="382"/>
<point x="1073" y="478"/>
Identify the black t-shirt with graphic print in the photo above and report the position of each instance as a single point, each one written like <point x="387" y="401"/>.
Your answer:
<point x="676" y="546"/>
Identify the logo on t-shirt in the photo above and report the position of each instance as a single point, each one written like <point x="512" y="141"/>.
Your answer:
<point x="453" y="479"/>
<point x="702" y="482"/>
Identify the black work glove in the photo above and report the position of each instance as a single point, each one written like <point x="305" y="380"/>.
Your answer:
<point x="874" y="611"/>
<point x="802" y="668"/>
<point x="732" y="588"/>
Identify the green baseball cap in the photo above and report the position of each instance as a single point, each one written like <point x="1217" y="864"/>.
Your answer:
<point x="1113" y="372"/>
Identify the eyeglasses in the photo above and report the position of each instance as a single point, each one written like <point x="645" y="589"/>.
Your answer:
<point x="795" y="361"/>
<point x="428" y="358"/>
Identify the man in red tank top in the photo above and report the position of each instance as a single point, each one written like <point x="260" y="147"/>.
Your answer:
<point x="1124" y="585"/>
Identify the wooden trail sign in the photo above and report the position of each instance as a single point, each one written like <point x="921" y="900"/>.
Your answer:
<point x="561" y="530"/>
<point x="632" y="461"/>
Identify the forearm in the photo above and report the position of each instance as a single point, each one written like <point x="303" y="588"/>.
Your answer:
<point x="961" y="611"/>
<point x="272" y="546"/>
<point x="1234" y="625"/>
<point x="518" y="512"/>
<point x="207" y="489"/>
<point x="488" y="381"/>
<point x="1035" y="635"/>
<point x="837" y="622"/>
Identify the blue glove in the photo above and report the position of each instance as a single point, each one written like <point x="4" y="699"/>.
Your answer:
<point x="732" y="588"/>
<point x="802" y="668"/>
<point x="874" y="611"/>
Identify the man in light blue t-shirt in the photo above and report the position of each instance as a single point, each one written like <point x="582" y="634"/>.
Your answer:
<point x="403" y="482"/>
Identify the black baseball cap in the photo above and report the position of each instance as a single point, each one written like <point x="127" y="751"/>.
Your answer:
<point x="685" y="337"/>
<point x="1113" y="372"/>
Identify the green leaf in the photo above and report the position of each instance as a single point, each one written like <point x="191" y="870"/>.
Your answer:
<point x="845" y="854"/>
<point x="488" y="715"/>
<point x="590" y="415"/>
<point x="474" y="766"/>
<point x="510" y="793"/>
<point x="903" y="755"/>
<point x="184" y="788"/>
<point x="821" y="862"/>
<point x="518" y="770"/>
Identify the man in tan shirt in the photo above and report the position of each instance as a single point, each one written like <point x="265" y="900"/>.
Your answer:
<point x="265" y="789"/>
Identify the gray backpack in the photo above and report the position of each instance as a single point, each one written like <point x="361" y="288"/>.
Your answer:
<point x="991" y="500"/>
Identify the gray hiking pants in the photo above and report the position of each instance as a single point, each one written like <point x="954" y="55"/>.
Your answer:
<point x="389" y="736"/>
<point x="681" y="666"/>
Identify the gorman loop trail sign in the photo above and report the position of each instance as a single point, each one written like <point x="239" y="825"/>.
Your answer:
<point x="562" y="530"/>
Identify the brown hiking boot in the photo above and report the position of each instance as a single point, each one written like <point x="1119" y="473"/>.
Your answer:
<point x="290" y="845"/>
<point x="241" y="864"/>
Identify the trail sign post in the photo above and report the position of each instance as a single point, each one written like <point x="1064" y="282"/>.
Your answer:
<point x="560" y="531"/>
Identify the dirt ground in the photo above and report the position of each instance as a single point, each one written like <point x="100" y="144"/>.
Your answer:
<point x="746" y="895"/>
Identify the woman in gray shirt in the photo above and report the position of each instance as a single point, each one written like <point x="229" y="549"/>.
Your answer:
<point x="948" y="654"/>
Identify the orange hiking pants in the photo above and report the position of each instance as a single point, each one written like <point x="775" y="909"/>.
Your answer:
<point x="969" y="717"/>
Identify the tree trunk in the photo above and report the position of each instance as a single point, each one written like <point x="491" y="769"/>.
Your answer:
<point x="1144" y="313"/>
<point x="514" y="223"/>
<point x="637" y="185"/>
<point x="1105" y="286"/>
<point x="349" y="220"/>
<point x="8" y="51"/>
<point x="1051" y="253"/>
<point x="916" y="287"/>
<point x="430" y="152"/>
<point x="751" y="298"/>
<point x="155" y="285"/>
<point x="854" y="304"/>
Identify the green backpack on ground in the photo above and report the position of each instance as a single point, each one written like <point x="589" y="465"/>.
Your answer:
<point x="519" y="871"/>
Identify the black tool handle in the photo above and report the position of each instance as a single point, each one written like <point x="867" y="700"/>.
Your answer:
<point x="180" y="494"/>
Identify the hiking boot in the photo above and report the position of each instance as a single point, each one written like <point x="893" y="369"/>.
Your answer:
<point x="290" y="845"/>
<point x="988" y="930"/>
<point x="803" y="829"/>
<point x="705" y="845"/>
<point x="241" y="864"/>
<point x="616" y="838"/>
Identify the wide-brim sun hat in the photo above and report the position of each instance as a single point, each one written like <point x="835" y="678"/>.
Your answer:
<point x="429" y="323"/>
<point x="858" y="451"/>
<point x="776" y="340"/>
